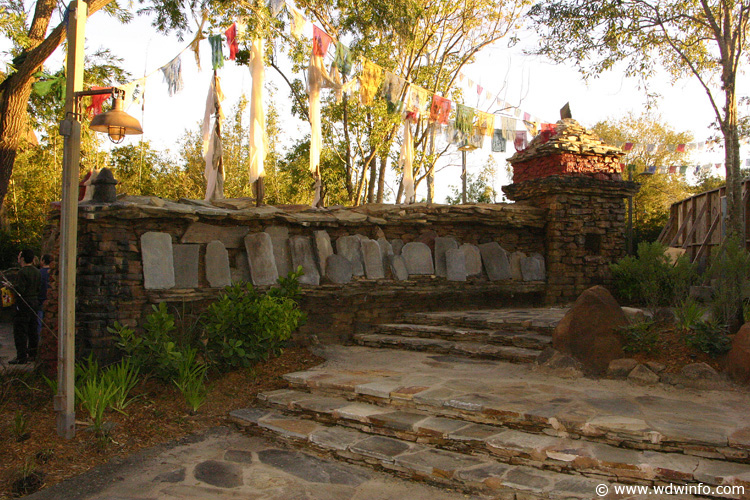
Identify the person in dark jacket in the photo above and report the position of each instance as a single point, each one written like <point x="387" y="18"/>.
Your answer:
<point x="26" y="286"/>
<point x="46" y="260"/>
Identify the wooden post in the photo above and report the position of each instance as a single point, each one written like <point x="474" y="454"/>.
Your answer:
<point x="71" y="129"/>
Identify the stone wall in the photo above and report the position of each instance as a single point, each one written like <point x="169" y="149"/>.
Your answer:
<point x="126" y="250"/>
<point x="597" y="166"/>
<point x="584" y="231"/>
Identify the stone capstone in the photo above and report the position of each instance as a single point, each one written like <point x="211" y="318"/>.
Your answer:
<point x="302" y="255"/>
<point x="418" y="258"/>
<point x="158" y="261"/>
<point x="495" y="261"/>
<point x="261" y="259"/>
<point x="588" y="331"/>
<point x="186" y="262"/>
<point x="217" y="265"/>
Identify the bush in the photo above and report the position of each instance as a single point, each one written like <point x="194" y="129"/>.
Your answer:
<point x="651" y="279"/>
<point x="689" y="313"/>
<point x="729" y="270"/>
<point x="640" y="337"/>
<point x="709" y="337"/>
<point x="243" y="327"/>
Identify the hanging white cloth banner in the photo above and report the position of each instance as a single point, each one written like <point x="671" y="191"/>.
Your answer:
<point x="212" y="149"/>
<point x="406" y="160"/>
<point x="257" y="114"/>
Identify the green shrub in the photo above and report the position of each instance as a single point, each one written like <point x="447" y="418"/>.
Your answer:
<point x="651" y="279"/>
<point x="709" y="337"/>
<point x="191" y="376"/>
<point x="124" y="376"/>
<point x="729" y="270"/>
<point x="689" y="313"/>
<point x="96" y="395"/>
<point x="243" y="327"/>
<point x="640" y="337"/>
<point x="155" y="352"/>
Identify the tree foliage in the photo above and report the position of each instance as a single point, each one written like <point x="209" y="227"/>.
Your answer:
<point x="702" y="39"/>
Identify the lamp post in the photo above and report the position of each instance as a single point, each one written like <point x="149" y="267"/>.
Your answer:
<point x="117" y="124"/>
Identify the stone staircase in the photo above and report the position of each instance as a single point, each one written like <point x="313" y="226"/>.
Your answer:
<point x="504" y="430"/>
<point x="516" y="335"/>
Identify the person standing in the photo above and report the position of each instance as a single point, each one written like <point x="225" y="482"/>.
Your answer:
<point x="44" y="274"/>
<point x="26" y="286"/>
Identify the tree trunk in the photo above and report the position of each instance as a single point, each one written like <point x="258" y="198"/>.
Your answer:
<point x="16" y="88"/>
<point x="381" y="178"/>
<point x="373" y="180"/>
<point x="735" y="213"/>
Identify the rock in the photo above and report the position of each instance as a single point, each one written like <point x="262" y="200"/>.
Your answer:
<point x="700" y="371"/>
<point x="495" y="261"/>
<point x="351" y="248"/>
<point x="656" y="367"/>
<point x="515" y="265"/>
<point x="664" y="315"/>
<point x="261" y="259"/>
<point x="635" y="315"/>
<point x="302" y="255"/>
<point x="323" y="248"/>
<point x="158" y="261"/>
<point x="397" y="245"/>
<point x="643" y="376"/>
<point x="473" y="259"/>
<point x="455" y="262"/>
<point x="533" y="268"/>
<point x="555" y="363"/>
<point x="620" y="368"/>
<point x="186" y="265"/>
<point x="217" y="265"/>
<point x="338" y="269"/>
<point x="443" y="245"/>
<point x="280" y="240"/>
<point x="398" y="267"/>
<point x="738" y="359"/>
<point x="372" y="260"/>
<point x="588" y="330"/>
<point x="418" y="258"/>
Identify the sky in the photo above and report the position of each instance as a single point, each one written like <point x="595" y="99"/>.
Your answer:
<point x="535" y="84"/>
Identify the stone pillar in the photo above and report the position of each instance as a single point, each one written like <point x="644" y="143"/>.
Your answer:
<point x="576" y="177"/>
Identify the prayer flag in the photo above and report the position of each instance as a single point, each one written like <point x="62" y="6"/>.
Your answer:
<point x="232" y="42"/>
<point x="628" y="146"/>
<point x="97" y="101"/>
<point x="480" y="89"/>
<point x="484" y="124"/>
<point x="217" y="56"/>
<point x="683" y="169"/>
<point x="520" y="142"/>
<point x="369" y="81"/>
<point x="498" y="141"/>
<point x="680" y="148"/>
<point x="172" y="72"/>
<point x="440" y="109"/>
<point x="298" y="23"/>
<point x="343" y="59"/>
<point x="321" y="41"/>
<point x="673" y="169"/>
<point x="464" y="119"/>
<point x="276" y="6"/>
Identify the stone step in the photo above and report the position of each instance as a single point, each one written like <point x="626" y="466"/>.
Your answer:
<point x="539" y="320"/>
<point x="543" y="408"/>
<point x="500" y="337"/>
<point x="470" y="473"/>
<point x="574" y="456"/>
<point x="469" y="349"/>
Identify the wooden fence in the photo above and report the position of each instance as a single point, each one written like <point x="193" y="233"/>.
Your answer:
<point x="697" y="223"/>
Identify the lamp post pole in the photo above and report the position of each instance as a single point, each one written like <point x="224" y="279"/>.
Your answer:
<point x="70" y="128"/>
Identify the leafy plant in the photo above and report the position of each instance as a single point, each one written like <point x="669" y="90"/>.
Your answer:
<point x="651" y="278"/>
<point x="640" y="337"/>
<point x="86" y="369"/>
<point x="243" y="327"/>
<point x="191" y="379"/>
<point x="154" y="351"/>
<point x="689" y="313"/>
<point x="124" y="377"/>
<point x="96" y="395"/>
<point x="20" y="426"/>
<point x="729" y="271"/>
<point x="709" y="337"/>
<point x="28" y="479"/>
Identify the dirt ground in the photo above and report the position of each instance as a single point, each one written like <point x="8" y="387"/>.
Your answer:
<point x="40" y="458"/>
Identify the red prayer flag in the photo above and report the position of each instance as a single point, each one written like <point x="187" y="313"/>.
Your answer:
<point x="673" y="169"/>
<point x="680" y="148"/>
<point x="549" y="127"/>
<point x="440" y="109"/>
<point x="520" y="142"/>
<point x="526" y="117"/>
<point x="232" y="42"/>
<point x="628" y="146"/>
<point x="479" y="90"/>
<point x="321" y="41"/>
<point x="97" y="101"/>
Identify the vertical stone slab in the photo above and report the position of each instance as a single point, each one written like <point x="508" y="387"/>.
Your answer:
<point x="158" y="261"/>
<point x="473" y="259"/>
<point x="397" y="245"/>
<point x="442" y="245"/>
<point x="280" y="240"/>
<point x="495" y="261"/>
<point x="323" y="249"/>
<point x="455" y="265"/>
<point x="351" y="248"/>
<point x="386" y="249"/>
<point x="373" y="260"/>
<point x="261" y="259"/>
<point x="533" y="268"/>
<point x="241" y="269"/>
<point x="302" y="255"/>
<point x="338" y="269"/>
<point x="398" y="267"/>
<point x="186" y="261"/>
<point x="418" y="258"/>
<point x="515" y="265"/>
<point x="217" y="265"/>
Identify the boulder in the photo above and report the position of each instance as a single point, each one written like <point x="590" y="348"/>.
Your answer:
<point x="555" y="363"/>
<point x="636" y="315"/>
<point x="621" y="368"/>
<point x="641" y="375"/>
<point x="588" y="332"/>
<point x="738" y="359"/>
